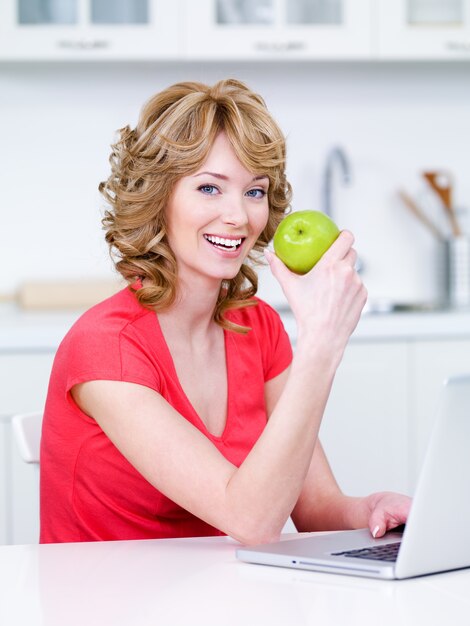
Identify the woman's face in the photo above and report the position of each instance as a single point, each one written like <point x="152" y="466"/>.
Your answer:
<point x="215" y="215"/>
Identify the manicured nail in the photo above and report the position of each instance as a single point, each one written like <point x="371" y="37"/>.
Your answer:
<point x="375" y="531"/>
<point x="268" y="254"/>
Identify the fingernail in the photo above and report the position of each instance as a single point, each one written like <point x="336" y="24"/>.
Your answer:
<point x="375" y="531"/>
<point x="268" y="254"/>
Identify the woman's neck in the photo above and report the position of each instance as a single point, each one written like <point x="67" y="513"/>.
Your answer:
<point x="193" y="309"/>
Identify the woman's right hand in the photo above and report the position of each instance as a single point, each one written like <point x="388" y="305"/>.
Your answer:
<point x="330" y="297"/>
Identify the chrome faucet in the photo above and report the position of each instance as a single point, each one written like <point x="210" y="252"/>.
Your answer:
<point x="335" y="155"/>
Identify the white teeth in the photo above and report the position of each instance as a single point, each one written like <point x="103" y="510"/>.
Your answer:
<point x="221" y="241"/>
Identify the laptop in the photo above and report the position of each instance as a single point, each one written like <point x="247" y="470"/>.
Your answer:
<point x="436" y="537"/>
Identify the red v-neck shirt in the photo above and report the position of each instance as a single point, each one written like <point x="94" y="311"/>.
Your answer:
<point x="89" y="491"/>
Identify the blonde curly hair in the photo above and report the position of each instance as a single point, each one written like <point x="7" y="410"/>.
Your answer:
<point x="172" y="139"/>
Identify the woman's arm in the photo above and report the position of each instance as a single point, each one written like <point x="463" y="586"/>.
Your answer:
<point x="323" y="506"/>
<point x="182" y="463"/>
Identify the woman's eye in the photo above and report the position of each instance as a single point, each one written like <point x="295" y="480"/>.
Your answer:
<point x="208" y="189"/>
<point x="256" y="193"/>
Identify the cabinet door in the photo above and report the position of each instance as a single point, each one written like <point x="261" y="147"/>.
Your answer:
<point x="432" y="362"/>
<point x="5" y="487"/>
<point x="365" y="426"/>
<point x="24" y="379"/>
<point x="89" y="29"/>
<point x="424" y="29"/>
<point x="279" y="29"/>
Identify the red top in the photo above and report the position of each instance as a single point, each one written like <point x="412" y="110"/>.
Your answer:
<point x="89" y="491"/>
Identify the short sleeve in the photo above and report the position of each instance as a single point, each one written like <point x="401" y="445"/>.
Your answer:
<point x="107" y="352"/>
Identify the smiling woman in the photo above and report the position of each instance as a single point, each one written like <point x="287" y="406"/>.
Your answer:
<point x="176" y="407"/>
<point x="176" y="131"/>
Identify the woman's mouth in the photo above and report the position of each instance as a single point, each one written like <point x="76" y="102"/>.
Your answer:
<point x="229" y="244"/>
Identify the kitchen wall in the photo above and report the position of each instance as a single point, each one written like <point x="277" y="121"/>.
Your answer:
<point x="394" y="120"/>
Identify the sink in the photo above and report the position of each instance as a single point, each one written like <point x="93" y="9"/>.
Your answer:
<point x="389" y="306"/>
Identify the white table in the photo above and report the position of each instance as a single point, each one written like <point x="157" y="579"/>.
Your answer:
<point x="199" y="581"/>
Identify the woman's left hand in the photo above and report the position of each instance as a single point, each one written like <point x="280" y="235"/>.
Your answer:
<point x="386" y="510"/>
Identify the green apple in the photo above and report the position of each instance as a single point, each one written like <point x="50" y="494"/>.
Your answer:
<point x="302" y="238"/>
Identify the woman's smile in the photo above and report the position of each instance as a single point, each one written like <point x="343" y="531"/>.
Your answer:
<point x="225" y="243"/>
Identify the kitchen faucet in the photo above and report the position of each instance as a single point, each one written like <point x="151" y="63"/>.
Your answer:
<point x="335" y="155"/>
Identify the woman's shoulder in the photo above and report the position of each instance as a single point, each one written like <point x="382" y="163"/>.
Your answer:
<point x="107" y="319"/>
<point x="112" y="341"/>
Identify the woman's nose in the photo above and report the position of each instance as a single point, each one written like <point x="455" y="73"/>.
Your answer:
<point x="235" y="213"/>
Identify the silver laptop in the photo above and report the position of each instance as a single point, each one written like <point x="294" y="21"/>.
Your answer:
<point x="436" y="537"/>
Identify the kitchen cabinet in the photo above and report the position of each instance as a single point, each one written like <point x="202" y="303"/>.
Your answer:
<point x="382" y="409"/>
<point x="431" y="363"/>
<point x="218" y="30"/>
<point x="24" y="378"/>
<point x="423" y="29"/>
<point x="5" y="463"/>
<point x="365" y="426"/>
<point x="278" y="29"/>
<point x="89" y="29"/>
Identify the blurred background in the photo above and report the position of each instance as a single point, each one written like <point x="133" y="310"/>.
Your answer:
<point x="385" y="81"/>
<point x="374" y="99"/>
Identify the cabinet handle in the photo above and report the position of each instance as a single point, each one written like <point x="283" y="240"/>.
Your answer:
<point x="279" y="46"/>
<point x="83" y="44"/>
<point x="458" y="46"/>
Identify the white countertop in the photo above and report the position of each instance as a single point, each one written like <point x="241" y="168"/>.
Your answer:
<point x="43" y="331"/>
<point x="200" y="582"/>
<point x="404" y="326"/>
<point x="33" y="330"/>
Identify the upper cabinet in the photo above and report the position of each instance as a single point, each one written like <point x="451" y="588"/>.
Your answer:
<point x="278" y="29"/>
<point x="218" y="30"/>
<point x="423" y="29"/>
<point x="89" y="29"/>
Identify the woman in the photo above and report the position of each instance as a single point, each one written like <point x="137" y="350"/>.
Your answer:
<point x="175" y="408"/>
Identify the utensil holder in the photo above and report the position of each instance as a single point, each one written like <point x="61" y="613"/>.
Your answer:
<point x="457" y="272"/>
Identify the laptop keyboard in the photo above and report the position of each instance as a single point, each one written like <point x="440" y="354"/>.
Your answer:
<point x="384" y="552"/>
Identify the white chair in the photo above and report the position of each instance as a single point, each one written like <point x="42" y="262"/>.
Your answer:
<point x="27" y="433"/>
<point x="24" y="483"/>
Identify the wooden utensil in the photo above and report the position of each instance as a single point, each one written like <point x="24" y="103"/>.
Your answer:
<point x="441" y="183"/>
<point x="422" y="217"/>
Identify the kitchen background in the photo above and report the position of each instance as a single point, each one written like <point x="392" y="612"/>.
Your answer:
<point x="392" y="120"/>
<point x="387" y="81"/>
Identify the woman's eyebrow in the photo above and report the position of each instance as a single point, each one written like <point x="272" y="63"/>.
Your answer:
<point x="214" y="174"/>
<point x="223" y="177"/>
